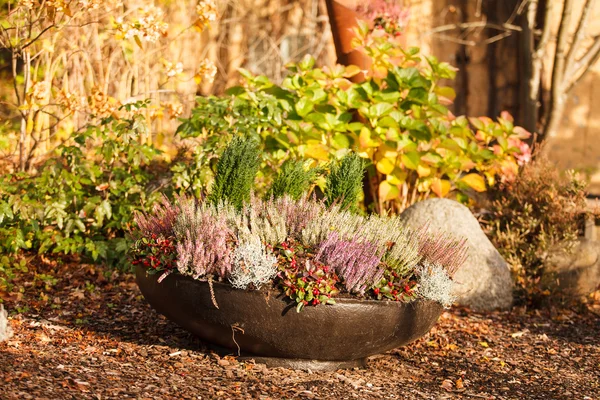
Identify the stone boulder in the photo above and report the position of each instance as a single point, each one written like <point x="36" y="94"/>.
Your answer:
<point x="485" y="281"/>
<point x="5" y="330"/>
<point x="572" y="270"/>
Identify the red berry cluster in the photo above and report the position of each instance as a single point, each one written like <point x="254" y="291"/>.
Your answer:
<point x="395" y="287"/>
<point x="304" y="280"/>
<point x="155" y="253"/>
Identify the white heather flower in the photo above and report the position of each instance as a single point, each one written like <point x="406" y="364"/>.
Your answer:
<point x="5" y="329"/>
<point x="435" y="284"/>
<point x="252" y="263"/>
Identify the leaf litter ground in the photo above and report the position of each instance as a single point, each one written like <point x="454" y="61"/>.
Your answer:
<point x="83" y="333"/>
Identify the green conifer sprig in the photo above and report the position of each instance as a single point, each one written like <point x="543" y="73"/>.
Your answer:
<point x="344" y="182"/>
<point x="236" y="170"/>
<point x="293" y="179"/>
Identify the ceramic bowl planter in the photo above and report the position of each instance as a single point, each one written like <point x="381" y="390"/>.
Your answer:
<point x="266" y="327"/>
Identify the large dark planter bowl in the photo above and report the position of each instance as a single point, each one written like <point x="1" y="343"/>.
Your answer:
<point x="269" y="328"/>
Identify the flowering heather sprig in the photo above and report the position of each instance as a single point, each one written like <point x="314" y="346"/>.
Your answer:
<point x="252" y="264"/>
<point x="357" y="262"/>
<point x="160" y="220"/>
<point x="398" y="243"/>
<point x="328" y="221"/>
<point x="442" y="249"/>
<point x="266" y="221"/>
<point x="203" y="241"/>
<point x="297" y="214"/>
<point x="435" y="283"/>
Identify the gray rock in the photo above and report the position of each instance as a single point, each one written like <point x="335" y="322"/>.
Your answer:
<point x="484" y="280"/>
<point x="5" y="329"/>
<point x="572" y="269"/>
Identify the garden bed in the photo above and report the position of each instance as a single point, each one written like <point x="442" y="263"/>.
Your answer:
<point x="91" y="337"/>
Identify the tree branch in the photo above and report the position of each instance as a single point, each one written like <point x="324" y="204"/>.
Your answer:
<point x="584" y="65"/>
<point x="578" y="36"/>
<point x="475" y="24"/>
<point x="558" y="71"/>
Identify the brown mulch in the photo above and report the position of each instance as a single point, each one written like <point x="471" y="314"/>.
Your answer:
<point x="88" y="335"/>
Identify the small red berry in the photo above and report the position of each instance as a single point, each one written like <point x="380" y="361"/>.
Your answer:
<point x="390" y="284"/>
<point x="376" y="291"/>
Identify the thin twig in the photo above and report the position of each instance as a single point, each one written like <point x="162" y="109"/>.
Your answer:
<point x="212" y="291"/>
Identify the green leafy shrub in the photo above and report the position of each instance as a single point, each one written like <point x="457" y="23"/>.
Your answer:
<point x="293" y="179"/>
<point x="537" y="211"/>
<point x="235" y="174"/>
<point x="397" y="120"/>
<point x="344" y="182"/>
<point x="83" y="199"/>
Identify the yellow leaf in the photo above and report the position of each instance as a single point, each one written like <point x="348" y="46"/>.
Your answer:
<point x="350" y="71"/>
<point x="441" y="187"/>
<point x="386" y="165"/>
<point x="397" y="177"/>
<point x="387" y="191"/>
<point x="423" y="170"/>
<point x="365" y="140"/>
<point x="317" y="151"/>
<point x="474" y="181"/>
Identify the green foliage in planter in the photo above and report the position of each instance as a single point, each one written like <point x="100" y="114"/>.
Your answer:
<point x="294" y="179"/>
<point x="344" y="182"/>
<point x="415" y="147"/>
<point x="83" y="199"/>
<point x="539" y="210"/>
<point x="235" y="174"/>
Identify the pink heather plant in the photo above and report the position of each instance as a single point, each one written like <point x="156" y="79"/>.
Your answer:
<point x="160" y="220"/>
<point x="298" y="213"/>
<point x="441" y="249"/>
<point x="358" y="263"/>
<point x="203" y="241"/>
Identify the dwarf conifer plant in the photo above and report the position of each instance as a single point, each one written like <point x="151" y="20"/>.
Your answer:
<point x="344" y="182"/>
<point x="236" y="171"/>
<point x="293" y="179"/>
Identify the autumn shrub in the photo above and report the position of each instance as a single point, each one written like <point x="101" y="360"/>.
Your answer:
<point x="397" y="120"/>
<point x="83" y="199"/>
<point x="527" y="217"/>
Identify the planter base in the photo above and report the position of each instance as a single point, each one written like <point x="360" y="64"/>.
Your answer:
<point x="305" y="365"/>
<point x="266" y="327"/>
